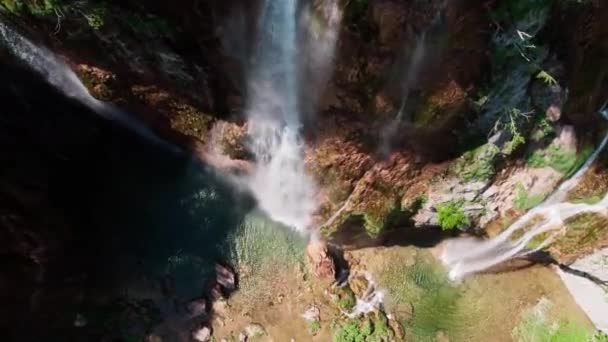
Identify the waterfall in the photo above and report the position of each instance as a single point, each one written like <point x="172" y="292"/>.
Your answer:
<point x="283" y="189"/>
<point x="412" y="74"/>
<point x="468" y="255"/>
<point x="58" y="74"/>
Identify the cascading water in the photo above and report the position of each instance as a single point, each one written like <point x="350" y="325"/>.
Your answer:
<point x="468" y="255"/>
<point x="59" y="74"/>
<point x="280" y="183"/>
<point x="412" y="74"/>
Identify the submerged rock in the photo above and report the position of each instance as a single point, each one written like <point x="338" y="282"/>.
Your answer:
<point x="196" y="307"/>
<point x="320" y="260"/>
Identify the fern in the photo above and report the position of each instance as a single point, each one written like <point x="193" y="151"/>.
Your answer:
<point x="547" y="78"/>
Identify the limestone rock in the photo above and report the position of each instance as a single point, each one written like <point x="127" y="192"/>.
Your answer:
<point x="566" y="137"/>
<point x="320" y="260"/>
<point x="312" y="314"/>
<point x="254" y="330"/>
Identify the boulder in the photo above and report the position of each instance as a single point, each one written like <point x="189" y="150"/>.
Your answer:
<point x="321" y="260"/>
<point x="225" y="277"/>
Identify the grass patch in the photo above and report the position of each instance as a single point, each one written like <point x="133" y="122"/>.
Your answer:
<point x="423" y="293"/>
<point x="263" y="252"/>
<point x="535" y="327"/>
<point x="524" y="200"/>
<point x="314" y="326"/>
<point x="565" y="162"/>
<point x="451" y="216"/>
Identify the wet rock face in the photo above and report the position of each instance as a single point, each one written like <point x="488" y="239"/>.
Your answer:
<point x="320" y="260"/>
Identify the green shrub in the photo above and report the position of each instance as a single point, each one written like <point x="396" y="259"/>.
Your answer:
<point x="96" y="17"/>
<point x="523" y="200"/>
<point x="451" y="216"/>
<point x="369" y="329"/>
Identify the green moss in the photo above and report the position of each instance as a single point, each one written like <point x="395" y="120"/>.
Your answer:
<point x="524" y="200"/>
<point x="477" y="164"/>
<point x="554" y="156"/>
<point x="427" y="113"/>
<point x="451" y="216"/>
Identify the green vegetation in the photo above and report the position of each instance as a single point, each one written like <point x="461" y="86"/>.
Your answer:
<point x="534" y="327"/>
<point x="478" y="164"/>
<point x="547" y="78"/>
<point x="345" y="298"/>
<point x="424" y="300"/>
<point x="516" y="59"/>
<point x="264" y="251"/>
<point x="374" y="328"/>
<point x="259" y="240"/>
<point x="451" y="216"/>
<point x="556" y="157"/>
<point x="96" y="17"/>
<point x="524" y="200"/>
<point x="36" y="8"/>
<point x="582" y="231"/>
<point x="314" y="326"/>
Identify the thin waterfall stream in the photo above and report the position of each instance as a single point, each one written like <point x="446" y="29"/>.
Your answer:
<point x="469" y="255"/>
<point x="60" y="75"/>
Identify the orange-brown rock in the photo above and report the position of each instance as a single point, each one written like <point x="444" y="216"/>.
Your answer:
<point x="320" y="260"/>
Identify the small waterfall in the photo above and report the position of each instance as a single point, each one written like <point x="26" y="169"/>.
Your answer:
<point x="469" y="255"/>
<point x="280" y="183"/>
<point x="59" y="74"/>
<point x="372" y="299"/>
<point x="412" y="74"/>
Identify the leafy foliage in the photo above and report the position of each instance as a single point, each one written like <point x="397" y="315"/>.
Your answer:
<point x="368" y="329"/>
<point x="547" y="78"/>
<point x="451" y="215"/>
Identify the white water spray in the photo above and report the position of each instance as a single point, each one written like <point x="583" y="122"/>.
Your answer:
<point x="372" y="299"/>
<point x="468" y="255"/>
<point x="59" y="74"/>
<point x="280" y="184"/>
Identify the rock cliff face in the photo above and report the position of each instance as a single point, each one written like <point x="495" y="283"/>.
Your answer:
<point x="388" y="152"/>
